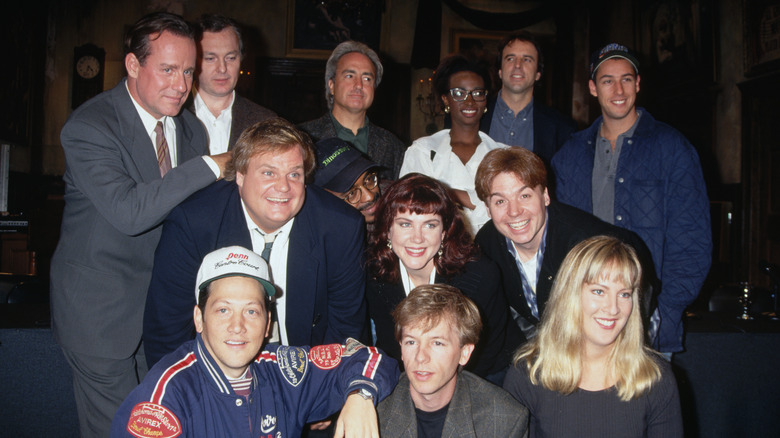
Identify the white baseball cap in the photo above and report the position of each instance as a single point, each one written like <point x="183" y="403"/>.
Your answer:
<point x="233" y="261"/>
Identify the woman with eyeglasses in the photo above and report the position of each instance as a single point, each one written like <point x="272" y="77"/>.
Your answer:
<point x="453" y="155"/>
<point x="420" y="238"/>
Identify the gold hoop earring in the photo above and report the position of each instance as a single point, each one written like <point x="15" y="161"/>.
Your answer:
<point x="484" y="110"/>
<point x="389" y="244"/>
<point x="447" y="109"/>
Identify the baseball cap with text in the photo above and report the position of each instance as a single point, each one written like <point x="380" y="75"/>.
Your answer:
<point x="612" y="51"/>
<point x="233" y="261"/>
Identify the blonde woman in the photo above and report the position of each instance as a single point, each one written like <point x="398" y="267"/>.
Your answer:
<point x="588" y="372"/>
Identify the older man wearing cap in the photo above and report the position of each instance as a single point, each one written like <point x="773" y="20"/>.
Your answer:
<point x="635" y="172"/>
<point x="348" y="174"/>
<point x="221" y="384"/>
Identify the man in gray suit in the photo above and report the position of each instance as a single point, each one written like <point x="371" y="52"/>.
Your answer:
<point x="130" y="158"/>
<point x="224" y="113"/>
<point x="438" y="327"/>
<point x="352" y="74"/>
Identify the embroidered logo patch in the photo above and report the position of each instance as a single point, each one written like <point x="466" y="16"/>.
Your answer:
<point x="293" y="364"/>
<point x="351" y="347"/>
<point x="325" y="357"/>
<point x="150" y="420"/>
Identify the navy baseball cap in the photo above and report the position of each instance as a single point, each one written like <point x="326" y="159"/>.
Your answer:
<point x="339" y="165"/>
<point x="612" y="51"/>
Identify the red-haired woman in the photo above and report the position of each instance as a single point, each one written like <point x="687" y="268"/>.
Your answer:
<point x="420" y="238"/>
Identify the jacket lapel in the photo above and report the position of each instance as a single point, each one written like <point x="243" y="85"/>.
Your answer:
<point x="140" y="146"/>
<point x="459" y="418"/>
<point x="302" y="269"/>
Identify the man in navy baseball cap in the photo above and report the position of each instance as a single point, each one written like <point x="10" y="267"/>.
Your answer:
<point x="348" y="174"/>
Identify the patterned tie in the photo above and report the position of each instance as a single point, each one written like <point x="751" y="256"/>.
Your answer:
<point x="266" y="255"/>
<point x="269" y="242"/>
<point x="163" y="157"/>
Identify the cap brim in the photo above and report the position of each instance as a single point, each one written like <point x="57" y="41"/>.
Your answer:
<point x="270" y="289"/>
<point x="344" y="181"/>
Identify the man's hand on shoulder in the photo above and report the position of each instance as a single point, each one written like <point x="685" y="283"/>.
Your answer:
<point x="357" y="418"/>
<point x="222" y="160"/>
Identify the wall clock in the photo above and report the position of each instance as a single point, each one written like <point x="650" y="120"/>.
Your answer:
<point x="88" y="66"/>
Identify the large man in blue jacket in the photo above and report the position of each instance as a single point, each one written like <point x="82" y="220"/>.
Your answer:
<point x="643" y="175"/>
<point x="312" y="240"/>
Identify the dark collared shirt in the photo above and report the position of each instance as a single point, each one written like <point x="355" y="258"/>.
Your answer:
<point x="359" y="141"/>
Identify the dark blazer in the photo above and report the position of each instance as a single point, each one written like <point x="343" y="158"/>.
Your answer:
<point x="384" y="148"/>
<point x="325" y="280"/>
<point x="566" y="227"/>
<point x="481" y="281"/>
<point x="245" y="113"/>
<point x="115" y="202"/>
<point x="478" y="409"/>
<point x="551" y="128"/>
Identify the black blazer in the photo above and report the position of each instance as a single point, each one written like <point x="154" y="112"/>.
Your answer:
<point x="566" y="227"/>
<point x="481" y="281"/>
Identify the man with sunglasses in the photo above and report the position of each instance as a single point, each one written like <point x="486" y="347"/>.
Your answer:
<point x="346" y="173"/>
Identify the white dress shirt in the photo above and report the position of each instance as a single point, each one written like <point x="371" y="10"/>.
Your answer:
<point x="278" y="267"/>
<point x="218" y="128"/>
<point x="447" y="168"/>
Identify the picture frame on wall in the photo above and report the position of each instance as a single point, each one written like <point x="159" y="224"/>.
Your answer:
<point x="478" y="45"/>
<point x="762" y="36"/>
<point x="676" y="41"/>
<point x="316" y="27"/>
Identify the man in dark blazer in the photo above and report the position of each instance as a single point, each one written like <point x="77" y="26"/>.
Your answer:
<point x="315" y="255"/>
<point x="437" y="327"/>
<point x="214" y="100"/>
<point x="510" y="111"/>
<point x="117" y="148"/>
<point x="352" y="73"/>
<point x="529" y="230"/>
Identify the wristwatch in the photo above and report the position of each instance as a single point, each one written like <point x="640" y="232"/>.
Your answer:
<point x="363" y="392"/>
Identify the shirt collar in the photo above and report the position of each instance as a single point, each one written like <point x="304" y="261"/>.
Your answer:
<point x="282" y="234"/>
<point x="501" y="106"/>
<point x="147" y="119"/>
<point x="202" y="108"/>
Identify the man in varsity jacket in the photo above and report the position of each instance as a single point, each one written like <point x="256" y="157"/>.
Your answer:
<point x="222" y="384"/>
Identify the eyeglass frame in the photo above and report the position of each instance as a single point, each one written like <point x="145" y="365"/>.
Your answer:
<point x="469" y="93"/>
<point x="371" y="179"/>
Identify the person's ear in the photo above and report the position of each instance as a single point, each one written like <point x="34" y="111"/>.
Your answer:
<point x="132" y="65"/>
<point x="465" y="354"/>
<point x="197" y="316"/>
<point x="592" y="87"/>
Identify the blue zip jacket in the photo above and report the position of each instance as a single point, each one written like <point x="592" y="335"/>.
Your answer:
<point x="187" y="395"/>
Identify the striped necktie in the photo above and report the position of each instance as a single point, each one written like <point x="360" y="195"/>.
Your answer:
<point x="163" y="157"/>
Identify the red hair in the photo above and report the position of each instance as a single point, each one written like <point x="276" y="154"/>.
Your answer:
<point x="419" y="194"/>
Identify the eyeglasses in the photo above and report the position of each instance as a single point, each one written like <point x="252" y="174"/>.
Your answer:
<point x="459" y="94"/>
<point x="369" y="182"/>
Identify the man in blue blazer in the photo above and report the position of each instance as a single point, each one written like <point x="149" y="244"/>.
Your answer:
<point x="316" y="245"/>
<point x="117" y="148"/>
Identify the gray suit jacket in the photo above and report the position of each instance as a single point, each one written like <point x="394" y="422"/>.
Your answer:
<point x="115" y="202"/>
<point x="478" y="409"/>
<point x="384" y="148"/>
<point x="245" y="114"/>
